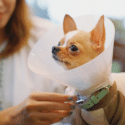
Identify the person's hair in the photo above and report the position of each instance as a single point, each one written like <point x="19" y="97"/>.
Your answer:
<point x="17" y="29"/>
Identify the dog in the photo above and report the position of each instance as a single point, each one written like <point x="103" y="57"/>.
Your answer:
<point x="78" y="47"/>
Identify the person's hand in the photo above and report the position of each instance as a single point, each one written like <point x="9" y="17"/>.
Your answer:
<point x="41" y="109"/>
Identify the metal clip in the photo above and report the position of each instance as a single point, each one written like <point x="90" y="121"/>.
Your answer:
<point x="80" y="101"/>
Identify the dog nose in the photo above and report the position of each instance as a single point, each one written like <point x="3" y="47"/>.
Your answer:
<point x="55" y="49"/>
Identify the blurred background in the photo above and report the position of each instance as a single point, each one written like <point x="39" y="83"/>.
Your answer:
<point x="55" y="10"/>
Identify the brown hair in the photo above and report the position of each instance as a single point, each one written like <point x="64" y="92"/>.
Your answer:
<point x="17" y="29"/>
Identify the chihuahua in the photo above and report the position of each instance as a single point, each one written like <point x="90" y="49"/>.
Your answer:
<point x="78" y="47"/>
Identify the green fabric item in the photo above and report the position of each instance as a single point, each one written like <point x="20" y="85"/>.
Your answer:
<point x="95" y="99"/>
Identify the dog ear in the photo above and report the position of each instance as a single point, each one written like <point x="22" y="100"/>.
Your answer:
<point x="68" y="24"/>
<point x="98" y="35"/>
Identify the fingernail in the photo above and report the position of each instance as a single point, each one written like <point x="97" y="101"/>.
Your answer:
<point x="70" y="113"/>
<point x="72" y="106"/>
<point x="70" y="98"/>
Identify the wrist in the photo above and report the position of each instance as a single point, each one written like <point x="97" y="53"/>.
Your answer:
<point x="5" y="117"/>
<point x="11" y="116"/>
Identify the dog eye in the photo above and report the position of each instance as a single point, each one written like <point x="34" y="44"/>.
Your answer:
<point x="73" y="48"/>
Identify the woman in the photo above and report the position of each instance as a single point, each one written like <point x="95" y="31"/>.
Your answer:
<point x="19" y="102"/>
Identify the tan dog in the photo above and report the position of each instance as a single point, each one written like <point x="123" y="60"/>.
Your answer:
<point x="77" y="48"/>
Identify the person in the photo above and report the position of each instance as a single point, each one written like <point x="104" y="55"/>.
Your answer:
<point x="25" y="97"/>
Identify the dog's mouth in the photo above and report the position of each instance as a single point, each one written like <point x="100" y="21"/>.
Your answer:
<point x="57" y="59"/>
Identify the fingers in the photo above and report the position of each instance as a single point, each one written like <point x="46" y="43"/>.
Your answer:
<point x="50" y="97"/>
<point x="48" y="108"/>
<point x="49" y="116"/>
<point x="40" y="106"/>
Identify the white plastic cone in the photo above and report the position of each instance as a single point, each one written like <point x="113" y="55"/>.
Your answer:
<point x="86" y="78"/>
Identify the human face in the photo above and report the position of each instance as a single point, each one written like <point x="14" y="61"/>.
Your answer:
<point x="6" y="10"/>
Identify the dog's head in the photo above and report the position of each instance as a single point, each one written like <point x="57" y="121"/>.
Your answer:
<point x="78" y="47"/>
